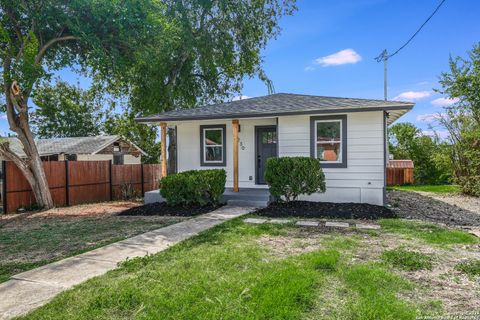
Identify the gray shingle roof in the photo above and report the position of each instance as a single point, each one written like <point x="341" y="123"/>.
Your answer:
<point x="277" y="104"/>
<point x="80" y="145"/>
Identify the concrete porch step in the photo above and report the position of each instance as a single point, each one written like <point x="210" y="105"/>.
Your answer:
<point x="248" y="203"/>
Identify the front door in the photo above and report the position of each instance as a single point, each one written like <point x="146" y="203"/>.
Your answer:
<point x="266" y="147"/>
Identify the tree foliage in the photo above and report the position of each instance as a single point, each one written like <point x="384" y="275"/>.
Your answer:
<point x="204" y="53"/>
<point x="64" y="110"/>
<point x="462" y="120"/>
<point x="429" y="155"/>
<point x="160" y="54"/>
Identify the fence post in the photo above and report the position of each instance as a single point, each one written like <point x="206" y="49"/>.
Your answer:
<point x="143" y="180"/>
<point x="111" y="182"/>
<point x="4" y="186"/>
<point x="67" y="185"/>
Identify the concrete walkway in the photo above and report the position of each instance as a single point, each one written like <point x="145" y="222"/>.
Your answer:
<point x="32" y="289"/>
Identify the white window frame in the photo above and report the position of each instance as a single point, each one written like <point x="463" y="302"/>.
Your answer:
<point x="343" y="156"/>
<point x="340" y="142"/>
<point x="205" y="146"/>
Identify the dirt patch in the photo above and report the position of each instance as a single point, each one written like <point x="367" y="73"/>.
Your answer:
<point x="457" y="292"/>
<point x="412" y="205"/>
<point x="310" y="209"/>
<point x="163" y="209"/>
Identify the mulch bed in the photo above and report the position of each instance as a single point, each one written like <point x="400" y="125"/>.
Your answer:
<point x="163" y="209"/>
<point x="412" y="205"/>
<point x="308" y="209"/>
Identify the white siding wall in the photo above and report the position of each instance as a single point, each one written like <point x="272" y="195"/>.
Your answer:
<point x="363" y="180"/>
<point x="127" y="158"/>
<point x="188" y="146"/>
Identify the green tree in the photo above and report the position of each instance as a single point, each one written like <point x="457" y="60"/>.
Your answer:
<point x="406" y="141"/>
<point x="462" y="119"/>
<point x="38" y="37"/>
<point x="144" y="136"/>
<point x="64" y="110"/>
<point x="160" y="54"/>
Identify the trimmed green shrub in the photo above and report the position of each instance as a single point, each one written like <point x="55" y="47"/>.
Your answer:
<point x="194" y="187"/>
<point x="289" y="177"/>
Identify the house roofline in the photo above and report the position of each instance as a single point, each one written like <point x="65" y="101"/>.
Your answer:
<point x="155" y="119"/>
<point x="115" y="140"/>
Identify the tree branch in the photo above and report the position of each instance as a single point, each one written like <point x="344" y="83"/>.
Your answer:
<point x="50" y="43"/>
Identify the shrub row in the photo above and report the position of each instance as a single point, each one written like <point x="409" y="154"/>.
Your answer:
<point x="194" y="187"/>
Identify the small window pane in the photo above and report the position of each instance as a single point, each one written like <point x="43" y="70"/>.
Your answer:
<point x="328" y="152"/>
<point x="328" y="131"/>
<point x="213" y="137"/>
<point x="213" y="153"/>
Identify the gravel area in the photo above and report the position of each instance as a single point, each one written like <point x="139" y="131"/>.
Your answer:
<point x="309" y="209"/>
<point x="465" y="202"/>
<point x="413" y="205"/>
<point x="163" y="209"/>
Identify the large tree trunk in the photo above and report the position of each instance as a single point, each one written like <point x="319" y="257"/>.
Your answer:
<point x="31" y="166"/>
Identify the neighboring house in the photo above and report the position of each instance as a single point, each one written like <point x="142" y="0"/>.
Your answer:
<point x="347" y="135"/>
<point x="114" y="147"/>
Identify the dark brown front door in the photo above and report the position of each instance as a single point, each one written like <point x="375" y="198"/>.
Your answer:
<point x="266" y="147"/>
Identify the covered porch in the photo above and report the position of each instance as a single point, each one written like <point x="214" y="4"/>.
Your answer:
<point x="240" y="146"/>
<point x="254" y="197"/>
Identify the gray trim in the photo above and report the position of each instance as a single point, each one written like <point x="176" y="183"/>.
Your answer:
<point x="270" y="114"/>
<point x="256" y="147"/>
<point x="224" y="151"/>
<point x="343" y="118"/>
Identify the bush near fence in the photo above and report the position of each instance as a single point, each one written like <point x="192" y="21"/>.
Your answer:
<point x="78" y="182"/>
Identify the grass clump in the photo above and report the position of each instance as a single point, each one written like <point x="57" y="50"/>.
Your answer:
<point x="407" y="260"/>
<point x="428" y="232"/>
<point x="471" y="267"/>
<point x="375" y="294"/>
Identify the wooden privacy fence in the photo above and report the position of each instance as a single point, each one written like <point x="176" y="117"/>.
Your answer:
<point x="77" y="182"/>
<point x="399" y="172"/>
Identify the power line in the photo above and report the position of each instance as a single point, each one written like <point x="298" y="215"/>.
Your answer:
<point x="383" y="56"/>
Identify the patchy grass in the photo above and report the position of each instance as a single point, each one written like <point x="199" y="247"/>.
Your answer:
<point x="375" y="294"/>
<point x="428" y="232"/>
<point x="227" y="273"/>
<point x="471" y="267"/>
<point x="32" y="242"/>
<point x="441" y="189"/>
<point x="407" y="260"/>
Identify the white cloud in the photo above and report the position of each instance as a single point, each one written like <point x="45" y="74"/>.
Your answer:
<point x="3" y="116"/>
<point x="413" y="95"/>
<point x="346" y="56"/>
<point x="444" y="102"/>
<point x="309" y="68"/>
<point x="429" y="117"/>
<point x="240" y="98"/>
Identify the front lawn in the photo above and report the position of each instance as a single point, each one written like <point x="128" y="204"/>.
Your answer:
<point x="440" y="189"/>
<point x="31" y="242"/>
<point x="242" y="271"/>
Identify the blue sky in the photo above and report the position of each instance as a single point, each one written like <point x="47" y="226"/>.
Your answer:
<point x="307" y="57"/>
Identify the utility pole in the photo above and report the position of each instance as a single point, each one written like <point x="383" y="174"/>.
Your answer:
<point x="384" y="57"/>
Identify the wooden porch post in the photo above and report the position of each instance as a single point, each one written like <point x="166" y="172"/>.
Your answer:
<point x="163" y="126"/>
<point x="235" y="155"/>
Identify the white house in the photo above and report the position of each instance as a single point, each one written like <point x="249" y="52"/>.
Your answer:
<point x="348" y="136"/>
